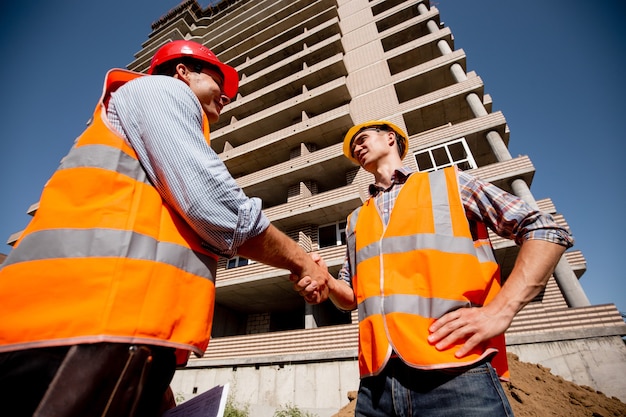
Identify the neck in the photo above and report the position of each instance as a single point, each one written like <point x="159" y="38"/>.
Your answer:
<point x="384" y="171"/>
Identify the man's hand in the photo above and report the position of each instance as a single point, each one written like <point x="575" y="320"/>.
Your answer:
<point x="273" y="247"/>
<point x="337" y="290"/>
<point x="313" y="283"/>
<point x="533" y="267"/>
<point x="473" y="325"/>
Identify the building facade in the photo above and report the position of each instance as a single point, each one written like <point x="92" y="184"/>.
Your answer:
<point x="309" y="70"/>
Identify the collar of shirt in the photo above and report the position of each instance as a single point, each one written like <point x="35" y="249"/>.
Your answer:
<point x="399" y="177"/>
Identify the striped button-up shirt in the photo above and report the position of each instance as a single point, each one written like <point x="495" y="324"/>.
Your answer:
<point x="161" y="119"/>
<point x="507" y="215"/>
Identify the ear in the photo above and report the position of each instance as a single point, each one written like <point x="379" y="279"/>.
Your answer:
<point x="182" y="72"/>
<point x="391" y="139"/>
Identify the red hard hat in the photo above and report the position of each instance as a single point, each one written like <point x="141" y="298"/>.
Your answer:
<point x="191" y="49"/>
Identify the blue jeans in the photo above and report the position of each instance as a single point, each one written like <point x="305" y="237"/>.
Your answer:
<point x="402" y="391"/>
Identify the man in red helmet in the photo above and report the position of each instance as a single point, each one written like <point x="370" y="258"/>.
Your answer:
<point x="112" y="283"/>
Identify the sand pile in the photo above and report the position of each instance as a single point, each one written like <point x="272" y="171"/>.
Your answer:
<point x="535" y="391"/>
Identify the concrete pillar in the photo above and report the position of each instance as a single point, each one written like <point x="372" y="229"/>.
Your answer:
<point x="309" y="318"/>
<point x="478" y="109"/>
<point x="476" y="105"/>
<point x="565" y="277"/>
<point x="570" y="286"/>
<point x="521" y="189"/>
<point x="444" y="47"/>
<point x="422" y="9"/>
<point x="493" y="138"/>
<point x="432" y="26"/>
<point x="498" y="146"/>
<point x="458" y="73"/>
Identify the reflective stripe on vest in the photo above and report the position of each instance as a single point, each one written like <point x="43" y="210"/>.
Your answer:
<point x="104" y="258"/>
<point x="399" y="268"/>
<point x="104" y="157"/>
<point x="96" y="243"/>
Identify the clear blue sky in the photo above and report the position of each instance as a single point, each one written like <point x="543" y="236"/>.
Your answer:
<point x="554" y="68"/>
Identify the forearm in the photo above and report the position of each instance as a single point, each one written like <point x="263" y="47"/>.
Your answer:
<point x="341" y="294"/>
<point x="274" y="248"/>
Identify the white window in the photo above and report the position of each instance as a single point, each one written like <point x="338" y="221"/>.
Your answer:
<point x="238" y="261"/>
<point x="331" y="234"/>
<point x="451" y="153"/>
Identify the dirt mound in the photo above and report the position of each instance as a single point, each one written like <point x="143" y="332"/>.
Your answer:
<point x="535" y="392"/>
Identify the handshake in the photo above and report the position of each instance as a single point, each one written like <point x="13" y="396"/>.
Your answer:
<point x="313" y="281"/>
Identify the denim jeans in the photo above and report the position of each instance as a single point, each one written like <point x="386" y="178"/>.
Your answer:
<point x="402" y="391"/>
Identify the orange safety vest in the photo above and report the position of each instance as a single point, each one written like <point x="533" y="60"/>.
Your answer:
<point x="105" y="259"/>
<point x="423" y="264"/>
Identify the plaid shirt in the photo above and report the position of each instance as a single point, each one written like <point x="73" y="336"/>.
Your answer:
<point x="505" y="214"/>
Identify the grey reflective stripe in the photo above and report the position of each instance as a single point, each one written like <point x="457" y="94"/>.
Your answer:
<point x="409" y="304"/>
<point x="485" y="253"/>
<point x="400" y="244"/>
<point x="443" y="239"/>
<point x="441" y="205"/>
<point x="351" y="239"/>
<point x="105" y="157"/>
<point x="104" y="243"/>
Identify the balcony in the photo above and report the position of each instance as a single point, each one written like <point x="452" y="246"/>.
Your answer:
<point x="447" y="105"/>
<point x="321" y="131"/>
<point x="334" y="204"/>
<point x="473" y="130"/>
<point x="311" y="32"/>
<point x="303" y="106"/>
<point x="270" y="22"/>
<point x="269" y="91"/>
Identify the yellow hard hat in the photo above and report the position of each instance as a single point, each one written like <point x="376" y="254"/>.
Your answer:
<point x="400" y="135"/>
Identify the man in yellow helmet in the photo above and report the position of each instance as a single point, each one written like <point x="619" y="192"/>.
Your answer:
<point x="113" y="281"/>
<point x="420" y="268"/>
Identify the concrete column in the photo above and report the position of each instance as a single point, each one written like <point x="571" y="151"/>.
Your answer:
<point x="309" y="318"/>
<point x="493" y="138"/>
<point x="432" y="26"/>
<point x="521" y="189"/>
<point x="458" y="73"/>
<point x="570" y="286"/>
<point x="476" y="105"/>
<point x="444" y="47"/>
<point x="565" y="277"/>
<point x="498" y="146"/>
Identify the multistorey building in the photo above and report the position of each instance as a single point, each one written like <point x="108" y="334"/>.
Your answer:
<point x="309" y="70"/>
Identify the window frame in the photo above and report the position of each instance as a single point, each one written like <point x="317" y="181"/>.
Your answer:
<point x="238" y="262"/>
<point x="340" y="233"/>
<point x="468" y="159"/>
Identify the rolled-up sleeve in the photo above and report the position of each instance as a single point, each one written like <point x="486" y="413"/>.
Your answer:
<point x="161" y="119"/>
<point x="508" y="215"/>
